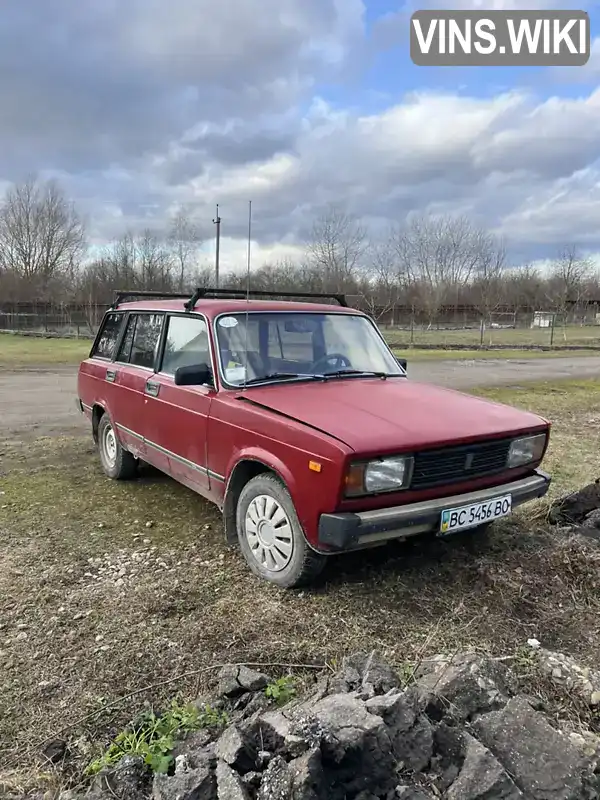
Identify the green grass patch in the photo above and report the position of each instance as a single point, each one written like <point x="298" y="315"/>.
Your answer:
<point x="573" y="408"/>
<point x="415" y="354"/>
<point x="153" y="737"/>
<point x="17" y="351"/>
<point x="588" y="335"/>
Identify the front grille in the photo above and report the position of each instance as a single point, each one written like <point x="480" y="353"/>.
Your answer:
<point x="450" y="464"/>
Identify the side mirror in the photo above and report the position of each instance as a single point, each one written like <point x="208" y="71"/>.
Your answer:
<point x="194" y="375"/>
<point x="403" y="363"/>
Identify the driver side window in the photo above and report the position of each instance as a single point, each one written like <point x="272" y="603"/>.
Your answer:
<point x="186" y="344"/>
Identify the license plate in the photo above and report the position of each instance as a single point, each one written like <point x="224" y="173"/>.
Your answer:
<point x="463" y="517"/>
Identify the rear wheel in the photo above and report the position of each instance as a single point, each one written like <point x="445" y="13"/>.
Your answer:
<point x="116" y="462"/>
<point x="271" y="537"/>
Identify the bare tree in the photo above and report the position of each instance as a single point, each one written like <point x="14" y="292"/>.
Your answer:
<point x="438" y="256"/>
<point x="336" y="245"/>
<point x="184" y="239"/>
<point x="41" y="235"/>
<point x="488" y="287"/>
<point x="569" y="276"/>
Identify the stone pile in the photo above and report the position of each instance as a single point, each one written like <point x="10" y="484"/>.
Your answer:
<point x="457" y="732"/>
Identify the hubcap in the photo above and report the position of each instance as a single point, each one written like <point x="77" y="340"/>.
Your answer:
<point x="110" y="445"/>
<point x="269" y="533"/>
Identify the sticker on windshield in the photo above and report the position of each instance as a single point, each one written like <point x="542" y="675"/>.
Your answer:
<point x="235" y="374"/>
<point x="228" y="322"/>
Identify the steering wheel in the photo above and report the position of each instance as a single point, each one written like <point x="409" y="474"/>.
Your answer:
<point x="334" y="360"/>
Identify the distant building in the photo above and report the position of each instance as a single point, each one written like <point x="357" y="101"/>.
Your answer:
<point x="542" y="319"/>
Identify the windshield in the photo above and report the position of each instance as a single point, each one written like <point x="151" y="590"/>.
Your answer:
<point x="276" y="346"/>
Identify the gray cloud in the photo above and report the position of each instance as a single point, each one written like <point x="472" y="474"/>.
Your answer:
<point x="85" y="84"/>
<point x="140" y="106"/>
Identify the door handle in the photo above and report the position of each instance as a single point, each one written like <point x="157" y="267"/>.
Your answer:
<point x="111" y="375"/>
<point x="152" y="388"/>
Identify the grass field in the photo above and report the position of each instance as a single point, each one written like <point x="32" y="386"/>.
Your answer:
<point x="108" y="587"/>
<point x="572" y="335"/>
<point x="23" y="351"/>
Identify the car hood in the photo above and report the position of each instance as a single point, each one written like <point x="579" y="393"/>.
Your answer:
<point x="375" y="415"/>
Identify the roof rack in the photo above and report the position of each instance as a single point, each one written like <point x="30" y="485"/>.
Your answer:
<point x="205" y="291"/>
<point x="242" y="293"/>
<point x="120" y="296"/>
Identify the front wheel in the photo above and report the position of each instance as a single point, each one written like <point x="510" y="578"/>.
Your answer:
<point x="116" y="462"/>
<point x="271" y="537"/>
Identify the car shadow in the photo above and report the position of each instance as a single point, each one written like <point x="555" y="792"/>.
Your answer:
<point x="421" y="554"/>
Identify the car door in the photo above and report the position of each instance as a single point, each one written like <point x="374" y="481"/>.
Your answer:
<point x="134" y="365"/>
<point x="176" y="417"/>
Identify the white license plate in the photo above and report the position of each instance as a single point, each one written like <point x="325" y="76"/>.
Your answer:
<point x="463" y="517"/>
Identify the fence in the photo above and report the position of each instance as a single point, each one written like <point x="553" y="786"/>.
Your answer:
<point x="402" y="326"/>
<point x="80" y="320"/>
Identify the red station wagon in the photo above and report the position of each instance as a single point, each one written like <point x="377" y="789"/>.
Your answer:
<point x="298" y="421"/>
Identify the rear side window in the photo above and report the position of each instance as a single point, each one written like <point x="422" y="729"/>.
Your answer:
<point x="140" y="342"/>
<point x="109" y="334"/>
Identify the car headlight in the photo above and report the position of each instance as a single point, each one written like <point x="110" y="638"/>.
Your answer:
<point x="379" y="475"/>
<point x="526" y="450"/>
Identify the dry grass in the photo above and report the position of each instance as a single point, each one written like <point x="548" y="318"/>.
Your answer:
<point x="76" y="634"/>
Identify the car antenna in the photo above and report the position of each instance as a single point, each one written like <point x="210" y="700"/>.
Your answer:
<point x="248" y="290"/>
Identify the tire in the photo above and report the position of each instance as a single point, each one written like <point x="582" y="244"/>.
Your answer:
<point x="116" y="462"/>
<point x="292" y="563"/>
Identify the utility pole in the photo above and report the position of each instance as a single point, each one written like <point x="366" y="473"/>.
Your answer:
<point x="217" y="222"/>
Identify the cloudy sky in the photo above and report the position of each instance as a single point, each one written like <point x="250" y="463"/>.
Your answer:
<point x="140" y="106"/>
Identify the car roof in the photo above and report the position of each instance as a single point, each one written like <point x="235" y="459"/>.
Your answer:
<point x="214" y="307"/>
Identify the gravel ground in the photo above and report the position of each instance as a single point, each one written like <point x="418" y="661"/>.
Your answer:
<point x="41" y="401"/>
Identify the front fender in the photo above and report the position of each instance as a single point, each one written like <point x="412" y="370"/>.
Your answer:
<point x="269" y="460"/>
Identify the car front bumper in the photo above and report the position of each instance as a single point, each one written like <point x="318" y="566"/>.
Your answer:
<point x="353" y="531"/>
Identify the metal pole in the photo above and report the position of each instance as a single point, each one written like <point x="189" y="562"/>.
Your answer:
<point x="217" y="222"/>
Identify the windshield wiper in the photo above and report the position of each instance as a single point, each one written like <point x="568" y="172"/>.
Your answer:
<point x="272" y="376"/>
<point x="340" y="372"/>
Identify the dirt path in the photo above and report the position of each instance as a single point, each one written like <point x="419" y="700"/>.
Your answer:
<point x="41" y="401"/>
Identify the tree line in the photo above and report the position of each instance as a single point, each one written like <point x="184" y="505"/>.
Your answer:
<point x="426" y="263"/>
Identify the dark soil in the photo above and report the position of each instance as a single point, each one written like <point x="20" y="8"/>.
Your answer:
<point x="576" y="508"/>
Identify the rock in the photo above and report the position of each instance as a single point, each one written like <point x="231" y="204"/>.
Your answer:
<point x="307" y="776"/>
<point x="229" y="784"/>
<point x="544" y="764"/>
<point x="575" y="507"/>
<point x="592" y="520"/>
<point x="276" y="781"/>
<point x="55" y="750"/>
<point x="410" y="732"/>
<point x="197" y="749"/>
<point x="366" y="673"/>
<point x="255" y="703"/>
<point x="399" y="710"/>
<point x="128" y="780"/>
<point x="482" y="777"/>
<point x="234" y="748"/>
<point x="411" y="793"/>
<point x="251" y="780"/>
<point x="461" y="688"/>
<point x="235" y="681"/>
<point x="415" y="747"/>
<point x="354" y="742"/>
<point x="274" y="732"/>
<point x="566" y="671"/>
<point x="197" y="784"/>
